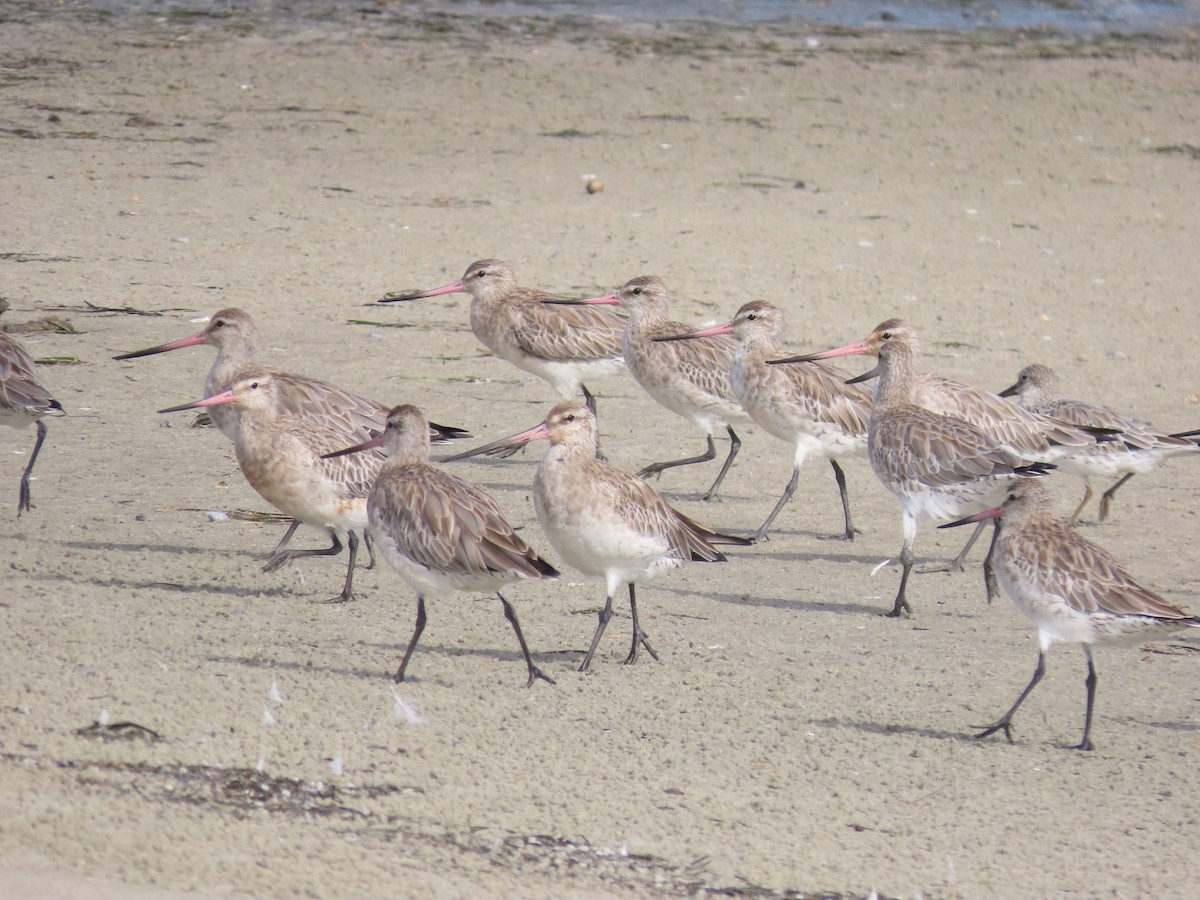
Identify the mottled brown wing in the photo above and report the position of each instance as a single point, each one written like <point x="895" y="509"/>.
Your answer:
<point x="821" y="391"/>
<point x="1064" y="563"/>
<point x="938" y="451"/>
<point x="20" y="387"/>
<point x="646" y="512"/>
<point x="1134" y="433"/>
<point x="704" y="363"/>
<point x="1020" y="430"/>
<point x="451" y="526"/>
<point x="566" y="333"/>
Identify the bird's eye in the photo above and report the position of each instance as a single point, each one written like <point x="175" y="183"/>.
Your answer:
<point x="752" y="317"/>
<point x="254" y="386"/>
<point x="637" y="291"/>
<point x="570" y="418"/>
<point x="220" y="323"/>
<point x="887" y="335"/>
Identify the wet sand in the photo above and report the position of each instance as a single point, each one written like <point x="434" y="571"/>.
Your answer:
<point x="1019" y="199"/>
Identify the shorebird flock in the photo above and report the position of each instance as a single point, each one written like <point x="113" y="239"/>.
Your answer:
<point x="950" y="452"/>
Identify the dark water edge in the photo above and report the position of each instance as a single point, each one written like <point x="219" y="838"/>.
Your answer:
<point x="1068" y="18"/>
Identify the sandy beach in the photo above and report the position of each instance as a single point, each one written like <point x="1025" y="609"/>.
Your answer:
<point x="1019" y="198"/>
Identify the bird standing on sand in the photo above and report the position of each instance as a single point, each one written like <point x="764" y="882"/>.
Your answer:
<point x="691" y="380"/>
<point x="939" y="466"/>
<point x="440" y="533"/>
<point x="559" y="344"/>
<point x="233" y="332"/>
<point x="23" y="400"/>
<point x="282" y="458"/>
<point x="1071" y="589"/>
<point x="1138" y="449"/>
<point x="604" y="521"/>
<point x="809" y="406"/>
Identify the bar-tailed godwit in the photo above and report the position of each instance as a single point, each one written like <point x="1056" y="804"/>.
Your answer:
<point x="559" y="344"/>
<point x="604" y="521"/>
<point x="939" y="466"/>
<point x="1138" y="449"/>
<point x="690" y="379"/>
<point x="811" y="407"/>
<point x="442" y="534"/>
<point x="235" y="336"/>
<point x="1071" y="589"/>
<point x="281" y="457"/>
<point x="24" y="400"/>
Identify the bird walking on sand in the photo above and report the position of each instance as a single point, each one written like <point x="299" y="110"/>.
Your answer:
<point x="1138" y="449"/>
<point x="809" y="406"/>
<point x="24" y="400"/>
<point x="281" y="457"/>
<point x="442" y="534"/>
<point x="235" y="336"/>
<point x="939" y="466"/>
<point x="691" y="379"/>
<point x="604" y="521"/>
<point x="559" y="344"/>
<point x="1071" y="589"/>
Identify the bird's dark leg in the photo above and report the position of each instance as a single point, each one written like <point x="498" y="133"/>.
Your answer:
<point x="840" y="476"/>
<point x="24" y="501"/>
<point x="283" y="542"/>
<point x="347" y="595"/>
<point x="1086" y="743"/>
<point x="1004" y="723"/>
<point x="761" y="534"/>
<point x="534" y="672"/>
<point x="639" y="636"/>
<point x="990" y="584"/>
<point x="660" y="467"/>
<point x="289" y="555"/>
<point x="1107" y="496"/>
<point x="605" y="615"/>
<point x="735" y="444"/>
<point x="412" y="642"/>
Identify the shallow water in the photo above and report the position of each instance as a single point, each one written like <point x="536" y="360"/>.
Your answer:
<point x="1077" y="17"/>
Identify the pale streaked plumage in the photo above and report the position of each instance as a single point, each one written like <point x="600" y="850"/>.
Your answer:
<point x="690" y="379"/>
<point x="1139" y="448"/>
<point x="809" y="406"/>
<point x="1071" y="589"/>
<point x="604" y="521"/>
<point x="281" y="457"/>
<point x="559" y="344"/>
<point x="235" y="336"/>
<point x="442" y="534"/>
<point x="24" y="400"/>
<point x="939" y="466"/>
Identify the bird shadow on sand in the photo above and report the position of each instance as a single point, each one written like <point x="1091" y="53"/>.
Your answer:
<point x="885" y="728"/>
<point x="768" y="602"/>
<point x="384" y="665"/>
<point x="171" y="586"/>
<point x="173" y="549"/>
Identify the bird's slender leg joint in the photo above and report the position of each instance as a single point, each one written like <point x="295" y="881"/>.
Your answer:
<point x="412" y="642"/>
<point x="1004" y="723"/>
<point x="639" y="636"/>
<point x="605" y="615"/>
<point x="534" y="672"/>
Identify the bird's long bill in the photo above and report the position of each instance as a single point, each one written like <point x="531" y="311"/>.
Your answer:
<point x="992" y="513"/>
<point x="1009" y="391"/>
<point x="214" y="400"/>
<point x="539" y="432"/>
<point x="453" y="287"/>
<point x="856" y="349"/>
<point x="371" y="444"/>
<point x="602" y="300"/>
<point x="192" y="341"/>
<point x="727" y="328"/>
<point x="865" y="376"/>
